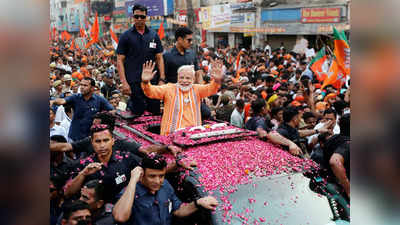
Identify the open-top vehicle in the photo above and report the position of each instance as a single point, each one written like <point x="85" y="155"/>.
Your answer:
<point x="255" y="181"/>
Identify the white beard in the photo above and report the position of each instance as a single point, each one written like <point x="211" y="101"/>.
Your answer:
<point x="184" y="88"/>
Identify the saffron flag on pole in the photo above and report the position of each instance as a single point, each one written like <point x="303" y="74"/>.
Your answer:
<point x="335" y="77"/>
<point x="161" y="32"/>
<point x="82" y="32"/>
<point x="316" y="64"/>
<point x="340" y="67"/>
<point x="94" y="33"/>
<point x="72" y="47"/>
<point x="114" y="38"/>
<point x="238" y="67"/>
<point x="53" y="33"/>
<point x="342" y="50"/>
<point x="65" y="36"/>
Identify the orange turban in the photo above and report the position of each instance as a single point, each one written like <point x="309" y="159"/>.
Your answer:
<point x="77" y="75"/>
<point x="331" y="95"/>
<point x="296" y="103"/>
<point x="299" y="98"/>
<point x="321" y="105"/>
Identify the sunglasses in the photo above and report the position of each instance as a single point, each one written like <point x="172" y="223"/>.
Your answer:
<point x="139" y="16"/>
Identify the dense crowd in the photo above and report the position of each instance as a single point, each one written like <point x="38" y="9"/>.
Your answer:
<point x="96" y="179"/>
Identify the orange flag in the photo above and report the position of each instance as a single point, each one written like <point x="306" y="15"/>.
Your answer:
<point x="114" y="38"/>
<point x="238" y="63"/>
<point x="340" y="67"/>
<point x="342" y="50"/>
<point x="94" y="33"/>
<point x="82" y="32"/>
<point x="54" y="33"/>
<point x="316" y="64"/>
<point x="336" y="76"/>
<point x="65" y="36"/>
<point x="161" y="32"/>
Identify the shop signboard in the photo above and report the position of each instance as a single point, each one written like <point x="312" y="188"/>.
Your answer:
<point x="328" y="29"/>
<point x="320" y="15"/>
<point x="281" y="15"/>
<point x="300" y="28"/>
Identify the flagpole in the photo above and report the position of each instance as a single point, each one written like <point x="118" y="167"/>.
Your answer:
<point x="330" y="51"/>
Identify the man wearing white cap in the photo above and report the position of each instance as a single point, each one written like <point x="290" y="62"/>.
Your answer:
<point x="67" y="83"/>
<point x="58" y="93"/>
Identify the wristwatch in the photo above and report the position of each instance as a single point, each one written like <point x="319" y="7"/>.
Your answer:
<point x="316" y="131"/>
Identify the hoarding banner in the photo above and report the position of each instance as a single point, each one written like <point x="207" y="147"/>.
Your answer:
<point x="154" y="7"/>
<point x="155" y="24"/>
<point x="119" y="3"/>
<point x="243" y="19"/>
<point x="221" y="15"/>
<point x="242" y="5"/>
<point x="119" y="12"/>
<point x="320" y="15"/>
<point x="73" y="17"/>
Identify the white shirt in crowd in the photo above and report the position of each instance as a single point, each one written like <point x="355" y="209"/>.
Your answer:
<point x="267" y="47"/>
<point x="58" y="130"/>
<point x="60" y="114"/>
<point x="336" y="130"/>
<point x="66" y="123"/>
<point x="237" y="118"/>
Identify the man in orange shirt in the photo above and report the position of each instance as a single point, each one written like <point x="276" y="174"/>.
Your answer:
<point x="181" y="100"/>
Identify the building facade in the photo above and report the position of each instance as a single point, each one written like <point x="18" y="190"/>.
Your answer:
<point x="69" y="15"/>
<point x="249" y="24"/>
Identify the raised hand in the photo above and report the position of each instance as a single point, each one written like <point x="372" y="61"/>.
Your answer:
<point x="147" y="71"/>
<point x="136" y="173"/>
<point x="216" y="70"/>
